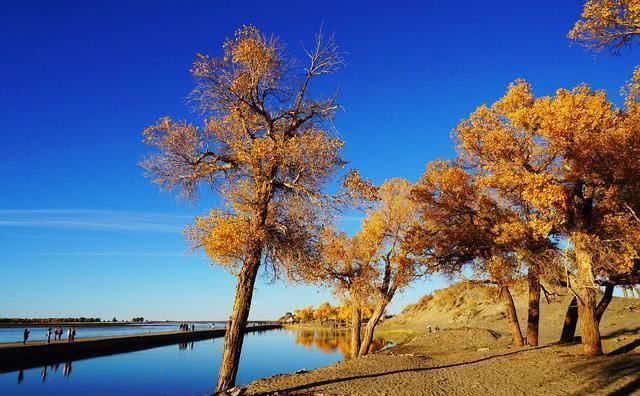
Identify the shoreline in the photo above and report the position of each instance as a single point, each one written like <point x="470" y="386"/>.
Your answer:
<point x="113" y="324"/>
<point x="469" y="361"/>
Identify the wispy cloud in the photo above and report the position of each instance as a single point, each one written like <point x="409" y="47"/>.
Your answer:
<point x="94" y="219"/>
<point x="115" y="254"/>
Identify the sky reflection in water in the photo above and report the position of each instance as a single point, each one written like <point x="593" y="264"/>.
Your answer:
<point x="181" y="369"/>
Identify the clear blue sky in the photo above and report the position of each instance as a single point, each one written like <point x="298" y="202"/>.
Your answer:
<point x="82" y="232"/>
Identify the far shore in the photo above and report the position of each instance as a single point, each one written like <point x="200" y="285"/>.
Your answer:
<point x="103" y="324"/>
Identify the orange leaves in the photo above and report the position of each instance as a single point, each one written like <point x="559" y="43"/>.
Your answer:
<point x="556" y="166"/>
<point x="373" y="264"/>
<point x="227" y="239"/>
<point x="607" y="23"/>
<point x="358" y="188"/>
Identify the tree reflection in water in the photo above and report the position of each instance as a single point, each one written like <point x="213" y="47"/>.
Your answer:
<point x="330" y="340"/>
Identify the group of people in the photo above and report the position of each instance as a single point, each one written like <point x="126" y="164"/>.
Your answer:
<point x="187" y="327"/>
<point x="57" y="334"/>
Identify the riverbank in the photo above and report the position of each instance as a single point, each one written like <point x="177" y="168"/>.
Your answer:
<point x="470" y="362"/>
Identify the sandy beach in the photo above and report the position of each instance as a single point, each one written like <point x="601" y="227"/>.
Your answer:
<point x="473" y="354"/>
<point x="409" y="370"/>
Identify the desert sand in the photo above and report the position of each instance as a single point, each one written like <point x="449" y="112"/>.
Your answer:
<point x="472" y="354"/>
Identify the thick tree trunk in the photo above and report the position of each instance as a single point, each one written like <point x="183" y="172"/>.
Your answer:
<point x="591" y="343"/>
<point x="512" y="317"/>
<point x="604" y="302"/>
<point x="587" y="293"/>
<point x="533" y="317"/>
<point x="370" y="329"/>
<point x="631" y="293"/>
<point x="571" y="317"/>
<point x="624" y="291"/>
<point x="234" y="335"/>
<point x="356" y="318"/>
<point x="570" y="322"/>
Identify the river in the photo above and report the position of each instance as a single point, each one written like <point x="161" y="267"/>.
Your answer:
<point x="182" y="369"/>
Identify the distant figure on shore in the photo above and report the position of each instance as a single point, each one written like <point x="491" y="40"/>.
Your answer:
<point x="49" y="336"/>
<point x="69" y="334"/>
<point x="25" y="336"/>
<point x="193" y="327"/>
<point x="213" y="325"/>
<point x="73" y="334"/>
<point x="60" y="333"/>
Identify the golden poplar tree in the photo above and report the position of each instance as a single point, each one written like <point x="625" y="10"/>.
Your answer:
<point x="266" y="148"/>
<point x="571" y="160"/>
<point x="344" y="265"/>
<point x="385" y="229"/>
<point x="460" y="229"/>
<point x="501" y="148"/>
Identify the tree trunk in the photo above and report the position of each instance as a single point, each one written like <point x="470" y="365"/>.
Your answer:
<point x="533" y="317"/>
<point x="370" y="329"/>
<point x="356" y="318"/>
<point x="591" y="343"/>
<point x="604" y="302"/>
<point x="234" y="335"/>
<point x="631" y="293"/>
<point x="624" y="291"/>
<point x="570" y="322"/>
<point x="587" y="293"/>
<point x="512" y="317"/>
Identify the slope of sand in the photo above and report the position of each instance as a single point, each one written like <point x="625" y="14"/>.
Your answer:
<point x="472" y="355"/>
<point x="465" y="305"/>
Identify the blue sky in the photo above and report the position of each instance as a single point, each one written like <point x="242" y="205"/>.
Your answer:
<point x="82" y="232"/>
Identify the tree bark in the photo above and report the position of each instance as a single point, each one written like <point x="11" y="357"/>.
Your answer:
<point x="631" y="293"/>
<point x="604" y="302"/>
<point x="512" y="317"/>
<point x="591" y="343"/>
<point x="587" y="293"/>
<point x="234" y="335"/>
<point x="533" y="316"/>
<point x="570" y="322"/>
<point x="370" y="329"/>
<point x="356" y="317"/>
<point x="624" y="291"/>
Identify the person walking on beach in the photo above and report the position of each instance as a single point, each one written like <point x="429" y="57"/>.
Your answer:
<point x="49" y="336"/>
<point x="25" y="336"/>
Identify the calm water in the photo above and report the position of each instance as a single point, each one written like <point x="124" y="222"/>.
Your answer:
<point x="181" y="369"/>
<point x="13" y="334"/>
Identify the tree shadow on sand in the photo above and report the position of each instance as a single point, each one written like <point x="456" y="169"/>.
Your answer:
<point x="621" y="332"/>
<point x="617" y="367"/>
<point x="310" y="385"/>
